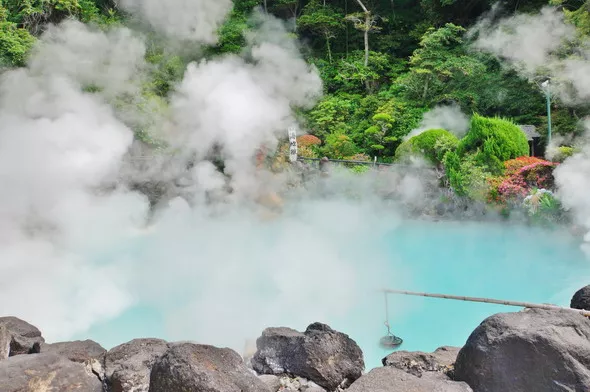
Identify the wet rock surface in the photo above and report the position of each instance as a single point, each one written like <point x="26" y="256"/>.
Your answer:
<point x="533" y="350"/>
<point x="320" y="354"/>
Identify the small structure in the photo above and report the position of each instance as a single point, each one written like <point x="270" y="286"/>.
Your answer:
<point x="533" y="137"/>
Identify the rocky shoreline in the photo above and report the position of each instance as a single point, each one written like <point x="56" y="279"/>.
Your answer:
<point x="531" y="350"/>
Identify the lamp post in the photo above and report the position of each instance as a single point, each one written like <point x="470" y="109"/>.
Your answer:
<point x="545" y="86"/>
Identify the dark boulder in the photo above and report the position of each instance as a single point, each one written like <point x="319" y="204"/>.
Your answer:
<point x="86" y="352"/>
<point x="581" y="299"/>
<point x="391" y="379"/>
<point x="78" y="351"/>
<point x="46" y="372"/>
<point x="417" y="362"/>
<point x="188" y="367"/>
<point x="320" y="354"/>
<point x="24" y="337"/>
<point x="533" y="350"/>
<point x="128" y="366"/>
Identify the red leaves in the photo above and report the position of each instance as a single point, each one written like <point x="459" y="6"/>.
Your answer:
<point x="522" y="174"/>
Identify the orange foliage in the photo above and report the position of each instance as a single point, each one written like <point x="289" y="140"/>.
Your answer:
<point x="308" y="140"/>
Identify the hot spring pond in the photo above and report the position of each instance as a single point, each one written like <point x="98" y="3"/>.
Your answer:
<point x="471" y="259"/>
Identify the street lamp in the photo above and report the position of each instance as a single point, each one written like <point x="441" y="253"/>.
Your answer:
<point x="545" y="86"/>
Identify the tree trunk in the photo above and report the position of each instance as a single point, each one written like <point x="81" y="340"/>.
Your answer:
<point x="346" y="13"/>
<point x="328" y="47"/>
<point x="367" y="26"/>
<point x="265" y="7"/>
<point x="366" y="30"/>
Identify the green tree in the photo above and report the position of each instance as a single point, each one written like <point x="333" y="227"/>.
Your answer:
<point x="438" y="64"/>
<point x="323" y="20"/>
<point x="339" y="146"/>
<point x="366" y="22"/>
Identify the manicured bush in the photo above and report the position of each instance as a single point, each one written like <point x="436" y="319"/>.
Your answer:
<point x="432" y="144"/>
<point x="493" y="141"/>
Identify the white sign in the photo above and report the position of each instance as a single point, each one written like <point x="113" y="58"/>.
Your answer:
<point x="292" y="144"/>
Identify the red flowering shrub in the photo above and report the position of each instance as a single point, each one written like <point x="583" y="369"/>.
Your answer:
<point x="521" y="175"/>
<point x="514" y="165"/>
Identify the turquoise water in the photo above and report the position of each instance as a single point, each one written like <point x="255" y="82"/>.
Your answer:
<point x="471" y="259"/>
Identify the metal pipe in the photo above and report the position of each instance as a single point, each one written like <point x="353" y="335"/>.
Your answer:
<point x="585" y="313"/>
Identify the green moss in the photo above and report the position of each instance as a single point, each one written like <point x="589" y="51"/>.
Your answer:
<point x="432" y="144"/>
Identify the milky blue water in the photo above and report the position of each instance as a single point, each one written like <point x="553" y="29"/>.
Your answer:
<point x="470" y="259"/>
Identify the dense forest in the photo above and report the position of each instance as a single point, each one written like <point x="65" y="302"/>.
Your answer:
<point x="384" y="64"/>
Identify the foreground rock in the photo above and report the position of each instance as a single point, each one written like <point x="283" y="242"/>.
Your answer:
<point x="45" y="372"/>
<point x="87" y="352"/>
<point x="78" y="351"/>
<point x="581" y="299"/>
<point x="391" y="379"/>
<point x="23" y="337"/>
<point x="188" y="367"/>
<point x="129" y="365"/>
<point x="320" y="354"/>
<point x="534" y="350"/>
<point x="417" y="363"/>
<point x="289" y="384"/>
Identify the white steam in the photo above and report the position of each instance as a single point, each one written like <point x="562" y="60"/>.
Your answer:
<point x="57" y="147"/>
<point x="449" y="117"/>
<point x="75" y="247"/>
<point x="194" y="20"/>
<point x="534" y="46"/>
<point x="527" y="41"/>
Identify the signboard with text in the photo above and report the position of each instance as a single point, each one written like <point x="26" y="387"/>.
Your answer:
<point x="292" y="144"/>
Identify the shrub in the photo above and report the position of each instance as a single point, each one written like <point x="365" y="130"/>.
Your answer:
<point x="308" y="140"/>
<point x="521" y="175"/>
<point x="493" y="141"/>
<point x="563" y="153"/>
<point x="432" y="144"/>
<point x="339" y="145"/>
<point x="466" y="177"/>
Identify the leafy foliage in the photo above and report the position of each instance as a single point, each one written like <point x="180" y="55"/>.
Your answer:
<point x="493" y="141"/>
<point x="432" y="144"/>
<point x="377" y="86"/>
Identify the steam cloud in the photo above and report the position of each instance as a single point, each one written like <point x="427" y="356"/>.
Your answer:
<point x="77" y="244"/>
<point x="534" y="45"/>
<point x="196" y="20"/>
<point x="449" y="117"/>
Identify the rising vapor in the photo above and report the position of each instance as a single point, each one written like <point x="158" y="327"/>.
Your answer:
<point x="535" y="45"/>
<point x="81" y="245"/>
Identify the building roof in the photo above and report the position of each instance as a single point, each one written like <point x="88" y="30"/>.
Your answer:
<point x="530" y="131"/>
